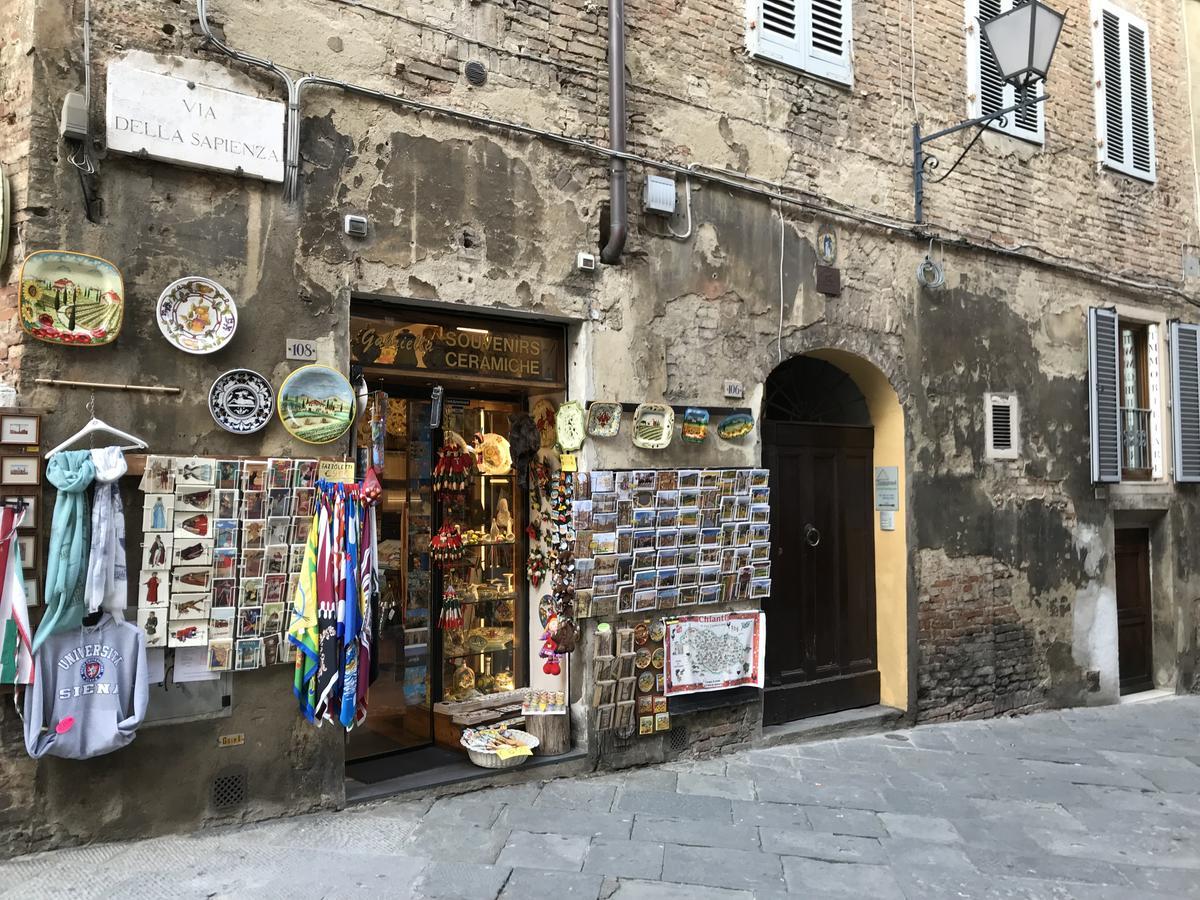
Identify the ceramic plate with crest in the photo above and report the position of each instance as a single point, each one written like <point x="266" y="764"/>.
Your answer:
<point x="241" y="401"/>
<point x="196" y="315"/>
<point x="604" y="419"/>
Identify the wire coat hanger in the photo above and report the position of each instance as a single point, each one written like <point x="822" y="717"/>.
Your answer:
<point x="94" y="425"/>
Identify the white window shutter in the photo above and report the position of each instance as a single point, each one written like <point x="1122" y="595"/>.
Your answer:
<point x="1124" y="101"/>
<point x="1002" y="426"/>
<point x="828" y="38"/>
<point x="987" y="93"/>
<point x="811" y="35"/>
<point x="1185" y="380"/>
<point x="1104" y="380"/>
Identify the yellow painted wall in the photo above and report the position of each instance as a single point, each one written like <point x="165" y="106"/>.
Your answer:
<point x="891" y="547"/>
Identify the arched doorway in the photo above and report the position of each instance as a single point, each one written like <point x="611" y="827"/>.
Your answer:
<point x="819" y="442"/>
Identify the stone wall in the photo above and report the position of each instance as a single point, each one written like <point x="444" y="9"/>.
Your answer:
<point x="1009" y="573"/>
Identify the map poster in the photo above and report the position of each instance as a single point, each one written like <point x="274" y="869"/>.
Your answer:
<point x="715" y="652"/>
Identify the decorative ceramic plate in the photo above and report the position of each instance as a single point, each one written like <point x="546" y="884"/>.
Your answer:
<point x="543" y="417"/>
<point x="197" y="315"/>
<point x="493" y="455"/>
<point x="653" y="426"/>
<point x="316" y="404"/>
<point x="569" y="425"/>
<point x="735" y="426"/>
<point x="241" y="401"/>
<point x="71" y="298"/>
<point x="604" y="420"/>
<point x="695" y="425"/>
<point x="5" y="214"/>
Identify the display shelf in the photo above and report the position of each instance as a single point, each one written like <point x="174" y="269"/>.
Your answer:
<point x="477" y="653"/>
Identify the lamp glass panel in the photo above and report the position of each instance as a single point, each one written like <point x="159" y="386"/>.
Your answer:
<point x="1008" y="36"/>
<point x="1049" y="24"/>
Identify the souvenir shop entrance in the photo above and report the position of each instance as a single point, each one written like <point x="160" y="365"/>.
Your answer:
<point x="441" y="382"/>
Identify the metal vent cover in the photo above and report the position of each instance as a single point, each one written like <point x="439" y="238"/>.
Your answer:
<point x="476" y="73"/>
<point x="679" y="740"/>
<point x="228" y="791"/>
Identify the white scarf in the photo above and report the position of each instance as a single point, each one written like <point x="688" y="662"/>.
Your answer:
<point x="106" y="575"/>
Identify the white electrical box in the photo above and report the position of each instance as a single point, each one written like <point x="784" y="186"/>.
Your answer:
<point x="585" y="262"/>
<point x="660" y="195"/>
<point x="356" y="226"/>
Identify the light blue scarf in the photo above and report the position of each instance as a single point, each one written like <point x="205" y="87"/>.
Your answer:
<point x="71" y="471"/>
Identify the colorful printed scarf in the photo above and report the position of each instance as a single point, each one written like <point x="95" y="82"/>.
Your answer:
<point x="302" y="632"/>
<point x="106" y="583"/>
<point x="16" y="648"/>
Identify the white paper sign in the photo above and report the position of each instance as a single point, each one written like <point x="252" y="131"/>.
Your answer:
<point x="191" y="664"/>
<point x="887" y="520"/>
<point x="887" y="487"/>
<point x="194" y="124"/>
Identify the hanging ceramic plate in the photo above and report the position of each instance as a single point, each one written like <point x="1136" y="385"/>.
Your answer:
<point x="493" y="455"/>
<point x="543" y="418"/>
<point x="695" y="425"/>
<point x="653" y="426"/>
<point x="569" y="426"/>
<point x="5" y="215"/>
<point x="316" y="404"/>
<point x="604" y="420"/>
<point x="71" y="298"/>
<point x="197" y="315"/>
<point x="241" y="401"/>
<point x="735" y="426"/>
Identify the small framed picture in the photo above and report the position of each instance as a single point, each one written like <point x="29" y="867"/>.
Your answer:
<point x="250" y="621"/>
<point x="154" y="623"/>
<point x="19" y="470"/>
<point x="154" y="589"/>
<point x="249" y="654"/>
<point x="22" y="430"/>
<point x="187" y="634"/>
<point x="158" y="513"/>
<point x="27" y="546"/>
<point x="220" y="655"/>
<point x="30" y="502"/>
<point x="32" y="596"/>
<point x="221" y="622"/>
<point x="760" y="588"/>
<point x="228" y="472"/>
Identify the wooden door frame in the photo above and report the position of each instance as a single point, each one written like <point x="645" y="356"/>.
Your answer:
<point x="1128" y="684"/>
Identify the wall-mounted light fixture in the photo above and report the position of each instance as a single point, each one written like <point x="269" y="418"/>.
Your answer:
<point x="1022" y="42"/>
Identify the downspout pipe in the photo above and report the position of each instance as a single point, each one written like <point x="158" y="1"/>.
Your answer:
<point x="618" y="193"/>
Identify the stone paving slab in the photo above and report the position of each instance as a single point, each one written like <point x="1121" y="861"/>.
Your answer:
<point x="1096" y="804"/>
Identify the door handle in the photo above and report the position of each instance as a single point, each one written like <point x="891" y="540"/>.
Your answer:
<point x="812" y="536"/>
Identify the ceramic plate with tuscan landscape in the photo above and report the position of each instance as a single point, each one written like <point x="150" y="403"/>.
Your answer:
<point x="71" y="298"/>
<point x="316" y="404"/>
<point x="196" y="315"/>
<point x="653" y="426"/>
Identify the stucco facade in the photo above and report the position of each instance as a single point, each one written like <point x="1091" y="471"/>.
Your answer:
<point x="996" y="590"/>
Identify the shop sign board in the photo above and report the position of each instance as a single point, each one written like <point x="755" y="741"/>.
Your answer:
<point x="193" y="124"/>
<point x="231" y="740"/>
<point x="428" y="346"/>
<point x="887" y="487"/>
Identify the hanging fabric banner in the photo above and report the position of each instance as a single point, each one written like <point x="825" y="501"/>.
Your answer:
<point x="715" y="652"/>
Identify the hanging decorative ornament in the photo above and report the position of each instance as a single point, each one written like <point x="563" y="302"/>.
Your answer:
<point x="446" y="546"/>
<point x="536" y="567"/>
<point x="451" y="616"/>
<point x="453" y="467"/>
<point x="549" y="651"/>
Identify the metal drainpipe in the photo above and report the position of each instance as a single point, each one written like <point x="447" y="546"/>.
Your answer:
<point x="618" y="215"/>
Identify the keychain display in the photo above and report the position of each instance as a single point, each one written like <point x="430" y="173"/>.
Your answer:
<point x="452" y="614"/>
<point x="446" y="547"/>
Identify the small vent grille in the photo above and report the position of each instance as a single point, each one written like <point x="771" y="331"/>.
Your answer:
<point x="679" y="739"/>
<point x="476" y="73"/>
<point x="1002" y="426"/>
<point x="1003" y="436"/>
<point x="228" y="791"/>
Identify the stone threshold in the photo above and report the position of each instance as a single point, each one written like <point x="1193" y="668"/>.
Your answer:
<point x="1149" y="696"/>
<point x="847" y="723"/>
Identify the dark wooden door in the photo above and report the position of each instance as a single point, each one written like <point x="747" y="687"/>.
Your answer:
<point x="821" y="612"/>
<point x="1135" y="622"/>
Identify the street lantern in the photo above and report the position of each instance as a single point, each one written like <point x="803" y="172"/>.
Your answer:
<point x="1022" y="42"/>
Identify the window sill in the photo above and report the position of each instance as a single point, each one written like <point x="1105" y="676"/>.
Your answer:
<point x="846" y="83"/>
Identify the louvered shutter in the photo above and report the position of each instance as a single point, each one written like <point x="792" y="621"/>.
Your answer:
<point x="1002" y="426"/>
<point x="813" y="35"/>
<point x="1104" y="380"/>
<point x="1185" y="380"/>
<point x="1124" y="103"/>
<point x="990" y="92"/>
<point x="828" y="38"/>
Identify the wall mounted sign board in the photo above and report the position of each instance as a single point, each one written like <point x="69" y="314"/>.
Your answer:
<point x="194" y="124"/>
<point x="887" y="488"/>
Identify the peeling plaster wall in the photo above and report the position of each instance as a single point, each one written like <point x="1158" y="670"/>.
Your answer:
<point x="1010" y="582"/>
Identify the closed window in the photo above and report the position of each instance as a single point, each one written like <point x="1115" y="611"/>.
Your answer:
<point x="986" y="91"/>
<point x="1185" y="377"/>
<point x="1124" y="103"/>
<point x="811" y="35"/>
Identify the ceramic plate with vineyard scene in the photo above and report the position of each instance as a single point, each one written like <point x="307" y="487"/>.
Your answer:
<point x="71" y="298"/>
<point x="316" y="404"/>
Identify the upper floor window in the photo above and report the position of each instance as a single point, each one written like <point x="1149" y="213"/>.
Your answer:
<point x="986" y="91"/>
<point x="812" y="35"/>
<point x="1124" y="104"/>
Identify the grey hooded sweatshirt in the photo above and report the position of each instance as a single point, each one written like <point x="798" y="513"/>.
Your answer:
<point x="89" y="692"/>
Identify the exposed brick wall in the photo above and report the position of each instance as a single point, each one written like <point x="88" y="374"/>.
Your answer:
<point x="979" y="658"/>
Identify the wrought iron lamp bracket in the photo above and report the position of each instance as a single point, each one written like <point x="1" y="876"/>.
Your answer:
<point x="924" y="163"/>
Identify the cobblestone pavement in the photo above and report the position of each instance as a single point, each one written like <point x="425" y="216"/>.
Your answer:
<point x="1101" y="803"/>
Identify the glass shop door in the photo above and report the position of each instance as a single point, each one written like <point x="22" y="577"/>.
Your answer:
<point x="400" y="710"/>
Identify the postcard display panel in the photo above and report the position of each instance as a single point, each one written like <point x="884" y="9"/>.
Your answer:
<point x="653" y="545"/>
<point x="223" y="543"/>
